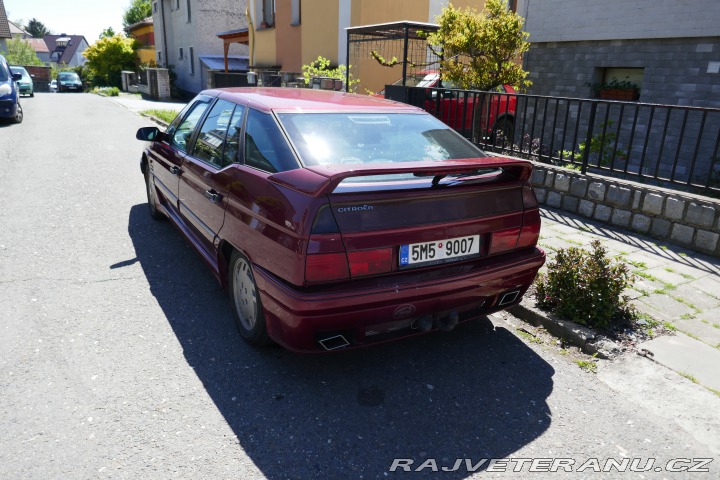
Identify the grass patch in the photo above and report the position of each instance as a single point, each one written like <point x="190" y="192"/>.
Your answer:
<point x="646" y="276"/>
<point x="106" y="91"/>
<point x="691" y="335"/>
<point x="713" y="391"/>
<point x="688" y="376"/>
<point x="683" y="254"/>
<point x="528" y="336"/>
<point x="166" y="116"/>
<point x="670" y="326"/>
<point x="587" y="365"/>
<point x="687" y="277"/>
<point x="689" y="316"/>
<point x="668" y="269"/>
<point x="574" y="242"/>
<point x="636" y="264"/>
<point x="687" y="303"/>
<point x="716" y="325"/>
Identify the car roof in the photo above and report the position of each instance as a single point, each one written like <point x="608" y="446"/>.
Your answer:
<point x="308" y="100"/>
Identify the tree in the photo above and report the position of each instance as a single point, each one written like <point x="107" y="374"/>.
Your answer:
<point x="108" y="32"/>
<point x="107" y="57"/>
<point x="137" y="11"/>
<point x="37" y="29"/>
<point x="20" y="52"/>
<point x="482" y="50"/>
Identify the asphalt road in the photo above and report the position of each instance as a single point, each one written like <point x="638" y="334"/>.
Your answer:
<point x="119" y="357"/>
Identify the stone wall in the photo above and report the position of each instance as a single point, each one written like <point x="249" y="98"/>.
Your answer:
<point x="688" y="220"/>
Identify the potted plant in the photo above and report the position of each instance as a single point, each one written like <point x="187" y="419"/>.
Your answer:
<point x="617" y="90"/>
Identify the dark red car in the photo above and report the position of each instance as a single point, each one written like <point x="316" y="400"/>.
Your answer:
<point x="337" y="220"/>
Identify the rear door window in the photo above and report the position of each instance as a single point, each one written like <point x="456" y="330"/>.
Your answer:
<point x="265" y="146"/>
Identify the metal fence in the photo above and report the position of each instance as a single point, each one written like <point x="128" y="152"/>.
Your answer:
<point x="669" y="145"/>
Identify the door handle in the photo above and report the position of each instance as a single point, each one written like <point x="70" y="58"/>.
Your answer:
<point x="175" y="170"/>
<point x="213" y="196"/>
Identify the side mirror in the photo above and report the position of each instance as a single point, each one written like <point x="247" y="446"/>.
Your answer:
<point x="31" y="75"/>
<point x="149" y="134"/>
<point x="17" y="77"/>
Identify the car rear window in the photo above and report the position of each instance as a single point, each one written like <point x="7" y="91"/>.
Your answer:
<point x="365" y="138"/>
<point x="68" y="76"/>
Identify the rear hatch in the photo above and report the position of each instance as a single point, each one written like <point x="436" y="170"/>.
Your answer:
<point x="394" y="218"/>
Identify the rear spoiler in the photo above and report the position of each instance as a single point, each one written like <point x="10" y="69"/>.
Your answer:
<point x="319" y="181"/>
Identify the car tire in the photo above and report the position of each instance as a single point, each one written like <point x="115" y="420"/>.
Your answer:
<point x="32" y="94"/>
<point x="18" y="118"/>
<point x="245" y="300"/>
<point x="152" y="199"/>
<point x="502" y="132"/>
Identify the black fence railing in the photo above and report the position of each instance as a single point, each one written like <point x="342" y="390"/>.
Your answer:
<point x="669" y="145"/>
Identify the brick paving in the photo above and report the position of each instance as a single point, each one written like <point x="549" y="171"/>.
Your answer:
<point x="672" y="284"/>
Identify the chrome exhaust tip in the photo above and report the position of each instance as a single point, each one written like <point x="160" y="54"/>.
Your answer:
<point x="334" y="342"/>
<point x="508" y="298"/>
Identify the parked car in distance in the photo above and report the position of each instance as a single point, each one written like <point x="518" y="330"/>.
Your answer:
<point x="497" y="114"/>
<point x="53" y="86"/>
<point x="69" y="82"/>
<point x="10" y="108"/>
<point x="25" y="84"/>
<point x="337" y="221"/>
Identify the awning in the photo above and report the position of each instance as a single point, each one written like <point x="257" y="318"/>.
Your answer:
<point x="217" y="62"/>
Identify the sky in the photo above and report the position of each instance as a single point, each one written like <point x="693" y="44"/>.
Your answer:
<point x="75" y="17"/>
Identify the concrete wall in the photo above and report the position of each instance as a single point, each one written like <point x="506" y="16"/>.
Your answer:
<point x="688" y="220"/>
<point x="680" y="71"/>
<point x="578" y="20"/>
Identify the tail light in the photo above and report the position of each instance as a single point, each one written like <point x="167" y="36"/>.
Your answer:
<point x="527" y="235"/>
<point x="530" y="233"/>
<point x="370" y="262"/>
<point x="325" y="267"/>
<point x="504" y="240"/>
<point x="327" y="259"/>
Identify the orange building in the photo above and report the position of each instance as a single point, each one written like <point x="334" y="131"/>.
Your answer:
<point x="288" y="34"/>
<point x="144" y="33"/>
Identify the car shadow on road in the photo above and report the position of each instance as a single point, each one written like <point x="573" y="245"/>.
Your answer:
<point x="478" y="392"/>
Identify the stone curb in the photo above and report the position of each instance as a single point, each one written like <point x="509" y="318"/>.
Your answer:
<point x="582" y="337"/>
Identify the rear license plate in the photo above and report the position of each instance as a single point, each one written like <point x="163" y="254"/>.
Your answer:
<point x="439" y="251"/>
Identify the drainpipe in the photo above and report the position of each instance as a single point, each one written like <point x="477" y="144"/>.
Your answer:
<point x="165" y="47"/>
<point x="251" y="34"/>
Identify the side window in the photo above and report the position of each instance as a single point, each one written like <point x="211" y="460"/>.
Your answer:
<point x="180" y="136"/>
<point x="265" y="146"/>
<point x="211" y="139"/>
<point x="232" y="145"/>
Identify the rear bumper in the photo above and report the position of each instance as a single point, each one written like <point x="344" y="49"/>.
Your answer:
<point x="372" y="314"/>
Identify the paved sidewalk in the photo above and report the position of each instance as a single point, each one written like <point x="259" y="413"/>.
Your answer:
<point x="136" y="103"/>
<point x="673" y="285"/>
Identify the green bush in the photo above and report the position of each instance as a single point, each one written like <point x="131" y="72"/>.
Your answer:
<point x="107" y="91"/>
<point x="586" y="287"/>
